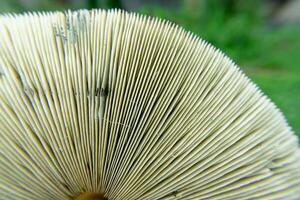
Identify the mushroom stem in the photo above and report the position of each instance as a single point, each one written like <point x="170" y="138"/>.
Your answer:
<point x="90" y="196"/>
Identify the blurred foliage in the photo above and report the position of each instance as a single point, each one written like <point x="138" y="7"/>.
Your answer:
<point x="230" y="25"/>
<point x="268" y="54"/>
<point x="51" y="5"/>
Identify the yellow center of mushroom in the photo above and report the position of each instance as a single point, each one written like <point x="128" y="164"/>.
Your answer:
<point x="90" y="196"/>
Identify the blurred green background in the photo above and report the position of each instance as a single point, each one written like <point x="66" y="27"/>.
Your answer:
<point x="262" y="36"/>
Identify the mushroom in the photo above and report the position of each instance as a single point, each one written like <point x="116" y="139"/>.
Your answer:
<point x="115" y="105"/>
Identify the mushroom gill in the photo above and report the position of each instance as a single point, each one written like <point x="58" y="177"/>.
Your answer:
<point x="115" y="105"/>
